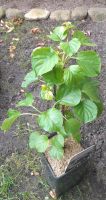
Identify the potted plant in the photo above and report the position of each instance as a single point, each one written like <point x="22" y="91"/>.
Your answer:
<point x="68" y="74"/>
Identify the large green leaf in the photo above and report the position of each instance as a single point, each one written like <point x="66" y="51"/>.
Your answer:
<point x="68" y="96"/>
<point x="90" y="88"/>
<point x="56" y="152"/>
<point x="67" y="76"/>
<point x="8" y="122"/>
<point x="86" y="111"/>
<point x="55" y="76"/>
<point x="39" y="142"/>
<point x="51" y="120"/>
<point x="73" y="75"/>
<point x="29" y="78"/>
<point x="58" y="34"/>
<point x="43" y="60"/>
<point x="82" y="38"/>
<point x="58" y="141"/>
<point x="90" y="63"/>
<point x="28" y="101"/>
<point x="72" y="127"/>
<point x="70" y="47"/>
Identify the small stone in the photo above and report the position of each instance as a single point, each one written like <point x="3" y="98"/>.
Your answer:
<point x="32" y="174"/>
<point x="22" y="91"/>
<point x="2" y="12"/>
<point x="97" y="14"/>
<point x="61" y="15"/>
<point x="37" y="14"/>
<point x="46" y="198"/>
<point x="13" y="13"/>
<point x="53" y="194"/>
<point x="79" y="13"/>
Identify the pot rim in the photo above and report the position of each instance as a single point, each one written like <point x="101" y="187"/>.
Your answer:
<point x="88" y="150"/>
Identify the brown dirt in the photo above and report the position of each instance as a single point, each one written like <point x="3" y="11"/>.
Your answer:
<point x="12" y="71"/>
<point x="71" y="149"/>
<point x="48" y="4"/>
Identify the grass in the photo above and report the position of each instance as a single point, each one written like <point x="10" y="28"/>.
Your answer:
<point x="15" y="177"/>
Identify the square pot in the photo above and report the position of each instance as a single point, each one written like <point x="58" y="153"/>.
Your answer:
<point x="72" y="176"/>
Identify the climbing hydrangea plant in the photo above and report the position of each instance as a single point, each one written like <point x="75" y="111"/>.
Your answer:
<point x="69" y="76"/>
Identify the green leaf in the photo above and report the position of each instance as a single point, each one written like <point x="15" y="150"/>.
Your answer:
<point x="58" y="34"/>
<point x="71" y="47"/>
<point x="75" y="70"/>
<point x="29" y="78"/>
<point x="90" y="88"/>
<point x="56" y="152"/>
<point x="86" y="111"/>
<point x="68" y="96"/>
<point x="90" y="63"/>
<point x="67" y="76"/>
<point x="58" y="141"/>
<point x="85" y="41"/>
<point x="51" y="120"/>
<point x="39" y="142"/>
<point x="62" y="132"/>
<point x="55" y="76"/>
<point x="28" y="101"/>
<point x="11" y="112"/>
<point x="43" y="60"/>
<point x="72" y="127"/>
<point x="77" y="136"/>
<point x="8" y="122"/>
<point x="73" y="76"/>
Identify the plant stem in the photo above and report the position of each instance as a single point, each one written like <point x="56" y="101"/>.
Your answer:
<point x="36" y="109"/>
<point x="56" y="103"/>
<point x="33" y="114"/>
<point x="65" y="118"/>
<point x="63" y="109"/>
<point x="54" y="90"/>
<point x="42" y="81"/>
<point x="74" y="57"/>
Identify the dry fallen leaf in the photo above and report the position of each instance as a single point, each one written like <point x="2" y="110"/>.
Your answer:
<point x="35" y="30"/>
<point x="12" y="55"/>
<point x="52" y="194"/>
<point x="17" y="21"/>
<point x="12" y="48"/>
<point x="10" y="29"/>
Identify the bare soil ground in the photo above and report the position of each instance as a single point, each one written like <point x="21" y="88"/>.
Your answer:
<point x="18" y="169"/>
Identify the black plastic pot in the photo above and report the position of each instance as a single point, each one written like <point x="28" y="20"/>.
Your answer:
<point x="75" y="171"/>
